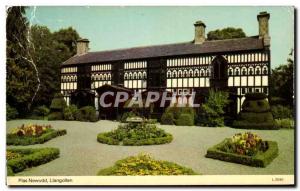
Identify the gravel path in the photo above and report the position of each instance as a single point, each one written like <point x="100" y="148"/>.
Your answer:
<point x="81" y="154"/>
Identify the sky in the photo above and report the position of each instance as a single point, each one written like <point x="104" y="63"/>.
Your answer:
<point x="110" y="28"/>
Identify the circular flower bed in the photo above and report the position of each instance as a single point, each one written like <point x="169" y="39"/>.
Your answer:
<point x="135" y="134"/>
<point x="143" y="164"/>
<point x="32" y="134"/>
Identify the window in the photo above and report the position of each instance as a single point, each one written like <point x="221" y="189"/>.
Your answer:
<point x="265" y="90"/>
<point x="243" y="90"/>
<point x="237" y="71"/>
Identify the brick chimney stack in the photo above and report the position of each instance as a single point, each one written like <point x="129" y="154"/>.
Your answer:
<point x="82" y="46"/>
<point x="199" y="32"/>
<point x="263" y="26"/>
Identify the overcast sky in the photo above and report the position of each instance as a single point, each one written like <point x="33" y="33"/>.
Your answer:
<point x="110" y="28"/>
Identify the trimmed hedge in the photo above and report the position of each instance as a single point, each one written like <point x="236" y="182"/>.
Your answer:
<point x="261" y="159"/>
<point x="285" y="123"/>
<point x="58" y="103"/>
<point x="185" y="119"/>
<point x="31" y="158"/>
<point x="151" y="141"/>
<point x="106" y="139"/>
<point x="167" y="118"/>
<point x="255" y="113"/>
<point x="86" y="113"/>
<point x="17" y="140"/>
<point x="250" y="125"/>
<point x="172" y="114"/>
<point x="56" y="116"/>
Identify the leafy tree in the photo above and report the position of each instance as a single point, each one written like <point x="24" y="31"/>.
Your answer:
<point x="212" y="112"/>
<point x="49" y="52"/>
<point x="21" y="80"/>
<point x="282" y="81"/>
<point x="68" y="37"/>
<point x="226" y="33"/>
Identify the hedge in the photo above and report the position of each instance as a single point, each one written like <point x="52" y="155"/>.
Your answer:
<point x="31" y="158"/>
<point x="151" y="141"/>
<point x="58" y="103"/>
<point x="185" y="119"/>
<point x="255" y="113"/>
<point x="86" y="113"/>
<point x="17" y="140"/>
<point x="167" y="118"/>
<point x="261" y="159"/>
<point x="243" y="124"/>
<point x="257" y="106"/>
<point x="106" y="139"/>
<point x="56" y="116"/>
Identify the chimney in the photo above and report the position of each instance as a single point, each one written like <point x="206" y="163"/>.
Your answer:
<point x="263" y="25"/>
<point x="82" y="46"/>
<point x="199" y="32"/>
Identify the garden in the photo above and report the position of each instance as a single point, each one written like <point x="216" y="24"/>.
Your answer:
<point x="175" y="144"/>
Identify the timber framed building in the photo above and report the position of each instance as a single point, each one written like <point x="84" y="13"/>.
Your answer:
<point x="238" y="65"/>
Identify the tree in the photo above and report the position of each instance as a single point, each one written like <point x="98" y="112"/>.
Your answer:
<point x="49" y="52"/>
<point x="21" y="80"/>
<point x="212" y="112"/>
<point x="68" y="37"/>
<point x="226" y="33"/>
<point x="282" y="81"/>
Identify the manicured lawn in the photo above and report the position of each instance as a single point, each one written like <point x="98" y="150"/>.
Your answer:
<point x="81" y="154"/>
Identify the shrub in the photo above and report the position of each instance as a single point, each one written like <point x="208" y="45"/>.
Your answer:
<point x="126" y="115"/>
<point x="70" y="112"/>
<point x="211" y="113"/>
<point x="167" y="118"/>
<point x="185" y="119"/>
<point x="30" y="158"/>
<point x="58" y="103"/>
<point x="142" y="165"/>
<point x="86" y="113"/>
<point x="13" y="139"/>
<point x="56" y="116"/>
<point x="255" y="113"/>
<point x="106" y="138"/>
<point x="135" y="134"/>
<point x="285" y="123"/>
<point x="281" y="112"/>
<point x="172" y="114"/>
<point x="11" y="112"/>
<point x="41" y="111"/>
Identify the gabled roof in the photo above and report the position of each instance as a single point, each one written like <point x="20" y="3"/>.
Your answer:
<point x="187" y="48"/>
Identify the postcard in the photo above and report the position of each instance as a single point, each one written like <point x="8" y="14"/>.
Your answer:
<point x="152" y="96"/>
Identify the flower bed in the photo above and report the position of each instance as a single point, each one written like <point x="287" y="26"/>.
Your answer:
<point x="247" y="148"/>
<point x="32" y="134"/>
<point x="135" y="134"/>
<point x="142" y="165"/>
<point x="20" y="159"/>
